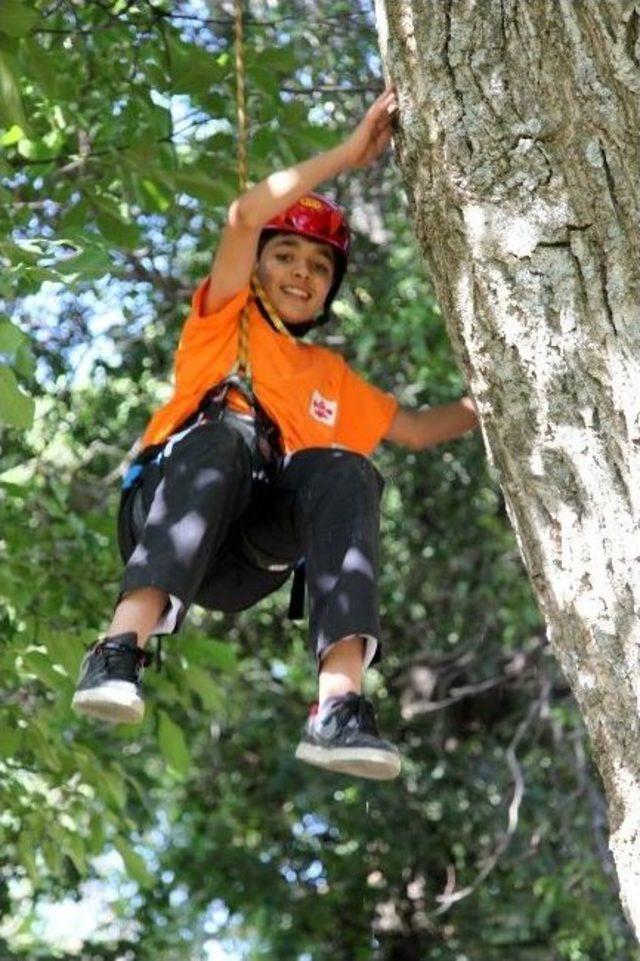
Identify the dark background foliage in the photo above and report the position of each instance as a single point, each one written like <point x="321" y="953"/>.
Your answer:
<point x="492" y="845"/>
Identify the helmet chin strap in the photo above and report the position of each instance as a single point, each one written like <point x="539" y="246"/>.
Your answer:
<point x="269" y="312"/>
<point x="295" y="330"/>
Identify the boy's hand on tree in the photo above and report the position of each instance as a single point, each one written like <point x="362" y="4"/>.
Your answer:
<point x="470" y="405"/>
<point x="373" y="134"/>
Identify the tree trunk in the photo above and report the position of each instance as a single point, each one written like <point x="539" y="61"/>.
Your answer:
<point x="519" y="144"/>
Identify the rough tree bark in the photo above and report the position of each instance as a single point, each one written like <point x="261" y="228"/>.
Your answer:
<point x="519" y="144"/>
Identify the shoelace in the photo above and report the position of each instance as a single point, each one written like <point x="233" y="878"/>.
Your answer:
<point x="366" y="716"/>
<point x="363" y="710"/>
<point x="141" y="655"/>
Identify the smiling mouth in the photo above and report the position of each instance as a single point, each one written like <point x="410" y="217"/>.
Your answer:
<point x="303" y="298"/>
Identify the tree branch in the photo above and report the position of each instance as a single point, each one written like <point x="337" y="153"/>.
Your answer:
<point x="450" y="896"/>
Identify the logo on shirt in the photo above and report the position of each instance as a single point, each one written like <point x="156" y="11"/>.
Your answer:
<point x="323" y="410"/>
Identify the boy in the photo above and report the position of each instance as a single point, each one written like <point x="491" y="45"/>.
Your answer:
<point x="235" y="486"/>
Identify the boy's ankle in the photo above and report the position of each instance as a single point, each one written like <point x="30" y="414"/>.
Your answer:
<point x="326" y="703"/>
<point x="325" y="694"/>
<point x="111" y="635"/>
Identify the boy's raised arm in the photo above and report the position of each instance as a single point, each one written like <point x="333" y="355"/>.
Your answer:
<point x="235" y="256"/>
<point x="280" y="190"/>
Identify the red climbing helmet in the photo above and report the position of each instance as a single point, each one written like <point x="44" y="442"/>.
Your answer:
<point x="317" y="218"/>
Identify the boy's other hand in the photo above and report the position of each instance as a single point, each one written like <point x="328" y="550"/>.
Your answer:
<point x="373" y="134"/>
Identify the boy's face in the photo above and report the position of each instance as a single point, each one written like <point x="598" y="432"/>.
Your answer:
<point x="290" y="266"/>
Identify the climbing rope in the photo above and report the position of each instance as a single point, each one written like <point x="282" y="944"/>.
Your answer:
<point x="240" y="98"/>
<point x="243" y="366"/>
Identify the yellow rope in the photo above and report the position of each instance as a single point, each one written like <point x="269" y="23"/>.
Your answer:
<point x="240" y="99"/>
<point x="242" y="365"/>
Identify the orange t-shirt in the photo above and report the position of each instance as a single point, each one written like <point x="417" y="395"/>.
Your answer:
<point x="309" y="391"/>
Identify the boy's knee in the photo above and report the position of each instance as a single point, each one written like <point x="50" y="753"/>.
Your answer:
<point x="215" y="443"/>
<point x="349" y="474"/>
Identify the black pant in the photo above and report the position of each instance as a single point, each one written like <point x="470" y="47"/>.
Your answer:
<point x="202" y="528"/>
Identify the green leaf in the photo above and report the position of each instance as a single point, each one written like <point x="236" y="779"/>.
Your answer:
<point x="42" y="748"/>
<point x="205" y="686"/>
<point x="118" y="231"/>
<point x="18" y="476"/>
<point x="264" y="143"/>
<point x="223" y="656"/>
<point x="63" y="650"/>
<point x="9" y="740"/>
<point x="40" y="665"/>
<point x="279" y="59"/>
<point x="154" y="193"/>
<point x="134" y="864"/>
<point x="201" y="185"/>
<point x="173" y="745"/>
<point x="91" y="263"/>
<point x="26" y="849"/>
<point x="35" y="150"/>
<point x="10" y="336"/>
<point x="52" y="854"/>
<point x="13" y="135"/>
<point x="193" y="69"/>
<point x="74" y="216"/>
<point x="267" y="83"/>
<point x="24" y="361"/>
<point x="54" y="140"/>
<point x="318" y="138"/>
<point x="115" y="786"/>
<point x="97" y="837"/>
<point x="18" y="253"/>
<point x="11" y="110"/>
<point x="72" y="845"/>
<point x="15" y="18"/>
<point x="107" y="782"/>
<point x="16" y="409"/>
<point x="42" y="66"/>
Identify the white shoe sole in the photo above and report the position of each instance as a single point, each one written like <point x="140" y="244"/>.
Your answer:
<point x="358" y="761"/>
<point x="115" y="701"/>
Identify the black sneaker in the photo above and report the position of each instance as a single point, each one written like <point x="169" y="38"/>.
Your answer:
<point x="345" y="738"/>
<point x="109" y="680"/>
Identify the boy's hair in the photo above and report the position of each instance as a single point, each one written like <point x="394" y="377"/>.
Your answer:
<point x="264" y="237"/>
